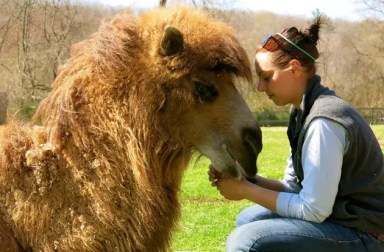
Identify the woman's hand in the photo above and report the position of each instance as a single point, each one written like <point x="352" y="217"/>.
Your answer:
<point x="214" y="175"/>
<point x="233" y="189"/>
<point x="230" y="188"/>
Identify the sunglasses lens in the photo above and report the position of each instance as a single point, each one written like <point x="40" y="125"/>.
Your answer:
<point x="265" y="40"/>
<point x="270" y="44"/>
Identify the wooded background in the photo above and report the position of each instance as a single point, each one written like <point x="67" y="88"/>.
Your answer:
<point x="36" y="37"/>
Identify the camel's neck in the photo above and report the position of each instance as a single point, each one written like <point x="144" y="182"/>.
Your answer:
<point x="136" y="178"/>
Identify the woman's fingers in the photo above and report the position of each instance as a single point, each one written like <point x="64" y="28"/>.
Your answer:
<point x="213" y="175"/>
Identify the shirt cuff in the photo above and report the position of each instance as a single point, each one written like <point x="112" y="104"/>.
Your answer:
<point x="283" y="203"/>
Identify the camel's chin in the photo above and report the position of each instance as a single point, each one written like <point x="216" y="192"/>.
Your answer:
<point x="235" y="168"/>
<point x="236" y="171"/>
<point x="228" y="164"/>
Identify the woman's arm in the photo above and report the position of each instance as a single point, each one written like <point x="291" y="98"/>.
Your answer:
<point x="234" y="189"/>
<point x="323" y="151"/>
<point x="271" y="184"/>
<point x="288" y="184"/>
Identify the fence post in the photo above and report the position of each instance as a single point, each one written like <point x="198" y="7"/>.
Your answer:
<point x="373" y="116"/>
<point x="3" y="107"/>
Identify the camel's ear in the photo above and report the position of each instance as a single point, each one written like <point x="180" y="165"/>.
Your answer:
<point x="171" y="42"/>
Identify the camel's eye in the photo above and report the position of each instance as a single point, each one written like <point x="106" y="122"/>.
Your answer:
<point x="224" y="67"/>
<point x="205" y="92"/>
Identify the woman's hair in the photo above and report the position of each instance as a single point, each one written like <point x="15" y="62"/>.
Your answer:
<point x="305" y="39"/>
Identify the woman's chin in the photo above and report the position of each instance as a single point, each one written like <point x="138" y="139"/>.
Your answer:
<point x="277" y="101"/>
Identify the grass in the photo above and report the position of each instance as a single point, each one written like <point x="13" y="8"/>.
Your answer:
<point x="207" y="218"/>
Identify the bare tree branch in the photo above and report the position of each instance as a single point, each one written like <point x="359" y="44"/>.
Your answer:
<point x="375" y="6"/>
<point x="162" y="3"/>
<point x="3" y="107"/>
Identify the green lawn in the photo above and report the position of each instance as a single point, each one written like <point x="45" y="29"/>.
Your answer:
<point x="207" y="218"/>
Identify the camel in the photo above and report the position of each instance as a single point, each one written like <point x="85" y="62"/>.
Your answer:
<point x="100" y="166"/>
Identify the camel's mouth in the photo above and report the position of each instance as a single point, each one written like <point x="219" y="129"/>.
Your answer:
<point x="235" y="169"/>
<point x="243" y="164"/>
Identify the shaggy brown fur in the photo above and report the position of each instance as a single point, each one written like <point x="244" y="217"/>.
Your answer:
<point x="103" y="172"/>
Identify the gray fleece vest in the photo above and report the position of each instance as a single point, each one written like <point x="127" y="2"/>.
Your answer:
<point x="360" y="199"/>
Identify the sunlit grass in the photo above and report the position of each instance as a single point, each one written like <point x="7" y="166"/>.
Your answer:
<point x="379" y="132"/>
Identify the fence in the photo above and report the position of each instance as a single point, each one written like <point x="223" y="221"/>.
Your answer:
<point x="281" y="117"/>
<point x="3" y="107"/>
<point x="268" y="118"/>
<point x="265" y="118"/>
<point x="372" y="115"/>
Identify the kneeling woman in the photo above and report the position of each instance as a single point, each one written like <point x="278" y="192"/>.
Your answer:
<point x="332" y="194"/>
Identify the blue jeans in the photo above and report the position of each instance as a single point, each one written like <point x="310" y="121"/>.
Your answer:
<point x="259" y="229"/>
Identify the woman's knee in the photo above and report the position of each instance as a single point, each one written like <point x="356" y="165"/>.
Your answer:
<point x="254" y="213"/>
<point x="236" y="241"/>
<point x="246" y="237"/>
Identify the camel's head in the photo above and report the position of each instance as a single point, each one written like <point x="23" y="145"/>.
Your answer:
<point x="203" y="108"/>
<point x="197" y="63"/>
<point x="169" y="75"/>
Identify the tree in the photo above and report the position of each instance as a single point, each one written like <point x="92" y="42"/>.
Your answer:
<point x="206" y="4"/>
<point x="377" y="6"/>
<point x="35" y="39"/>
<point x="3" y="107"/>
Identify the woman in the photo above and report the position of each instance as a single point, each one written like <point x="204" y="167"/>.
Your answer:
<point x="332" y="194"/>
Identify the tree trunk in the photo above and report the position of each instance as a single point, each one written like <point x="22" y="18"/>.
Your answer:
<point x="162" y="3"/>
<point x="3" y="107"/>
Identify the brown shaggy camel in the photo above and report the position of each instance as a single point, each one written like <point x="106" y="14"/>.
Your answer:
<point x="103" y="171"/>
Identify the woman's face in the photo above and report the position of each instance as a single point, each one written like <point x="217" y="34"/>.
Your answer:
<point x="283" y="86"/>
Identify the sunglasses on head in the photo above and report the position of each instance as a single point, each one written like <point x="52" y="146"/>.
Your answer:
<point x="271" y="43"/>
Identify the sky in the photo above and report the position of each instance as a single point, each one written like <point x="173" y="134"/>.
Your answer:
<point x="339" y="9"/>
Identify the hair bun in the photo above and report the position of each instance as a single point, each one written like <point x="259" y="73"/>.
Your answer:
<point x="312" y="32"/>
